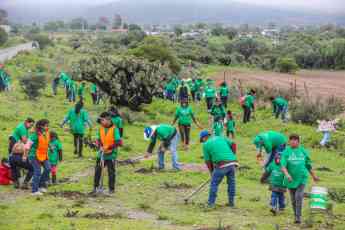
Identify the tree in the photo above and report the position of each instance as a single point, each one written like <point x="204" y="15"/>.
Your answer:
<point x="132" y="27"/>
<point x="117" y="22"/>
<point x="218" y="30"/>
<point x="3" y="17"/>
<point x="32" y="84"/>
<point x="231" y="32"/>
<point x="178" y="31"/>
<point x="78" y="24"/>
<point x="3" y="36"/>
<point x="127" y="81"/>
<point x="156" y="49"/>
<point x="43" y="40"/>
<point x="246" y="47"/>
<point x="103" y="23"/>
<point x="287" y="65"/>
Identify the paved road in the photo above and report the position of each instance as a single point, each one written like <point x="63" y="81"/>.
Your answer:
<point x="8" y="53"/>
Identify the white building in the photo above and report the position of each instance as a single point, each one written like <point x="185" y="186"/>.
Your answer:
<point x="7" y="28"/>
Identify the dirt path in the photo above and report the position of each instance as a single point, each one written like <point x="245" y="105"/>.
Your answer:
<point x="319" y="83"/>
<point x="8" y="53"/>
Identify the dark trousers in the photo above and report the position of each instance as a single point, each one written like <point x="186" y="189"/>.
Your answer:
<point x="297" y="196"/>
<point x="11" y="143"/>
<point x="78" y="144"/>
<point x="94" y="98"/>
<point x="232" y="133"/>
<point x="277" y="200"/>
<point x="110" y="164"/>
<point x="209" y="103"/>
<point x="17" y="163"/>
<point x="246" y="114"/>
<point x="224" y="101"/>
<point x="193" y="95"/>
<point x="184" y="133"/>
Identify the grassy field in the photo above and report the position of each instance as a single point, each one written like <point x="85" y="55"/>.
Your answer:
<point x="153" y="200"/>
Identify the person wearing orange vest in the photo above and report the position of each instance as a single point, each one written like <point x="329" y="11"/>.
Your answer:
<point x="108" y="141"/>
<point x="38" y="157"/>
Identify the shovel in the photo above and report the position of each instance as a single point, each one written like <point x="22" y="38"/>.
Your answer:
<point x="196" y="191"/>
<point x="100" y="187"/>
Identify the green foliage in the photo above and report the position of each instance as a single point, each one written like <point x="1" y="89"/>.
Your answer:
<point x="3" y="37"/>
<point x="43" y="40"/>
<point x="287" y="65"/>
<point x="178" y="31"/>
<point x="32" y="84"/>
<point x="247" y="47"/>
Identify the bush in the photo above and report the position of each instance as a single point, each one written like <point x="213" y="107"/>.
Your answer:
<point x="32" y="84"/>
<point x="42" y="40"/>
<point x="3" y="36"/>
<point x="287" y="65"/>
<point x="309" y="111"/>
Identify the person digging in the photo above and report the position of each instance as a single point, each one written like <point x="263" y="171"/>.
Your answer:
<point x="169" y="138"/>
<point x="220" y="158"/>
<point x="108" y="141"/>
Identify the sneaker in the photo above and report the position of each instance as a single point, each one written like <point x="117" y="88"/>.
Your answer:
<point x="37" y="194"/>
<point x="273" y="211"/>
<point x="110" y="192"/>
<point x="25" y="186"/>
<point x="298" y="222"/>
<point x="43" y="190"/>
<point x="16" y="185"/>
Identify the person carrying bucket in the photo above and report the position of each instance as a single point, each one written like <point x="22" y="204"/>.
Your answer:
<point x="296" y="166"/>
<point x="169" y="138"/>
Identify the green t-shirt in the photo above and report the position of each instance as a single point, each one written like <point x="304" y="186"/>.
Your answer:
<point x="249" y="101"/>
<point x="276" y="175"/>
<point x="218" y="128"/>
<point x="55" y="147"/>
<point x="230" y="125"/>
<point x="81" y="90"/>
<point x="281" y="102"/>
<point x="218" y="112"/>
<point x="184" y="115"/>
<point x="117" y="121"/>
<point x="20" y="131"/>
<point x="77" y="121"/>
<point x="210" y="92"/>
<point x="269" y="140"/>
<point x="224" y="91"/>
<point x="298" y="164"/>
<point x="164" y="132"/>
<point x="218" y="149"/>
<point x="114" y="153"/>
<point x="93" y="88"/>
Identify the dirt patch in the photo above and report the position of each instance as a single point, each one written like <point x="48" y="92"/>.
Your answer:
<point x="101" y="215"/>
<point x="73" y="195"/>
<point x="324" y="169"/>
<point x="167" y="185"/>
<point x="216" y="228"/>
<point x="71" y="214"/>
<point x="146" y="170"/>
<point x="194" y="168"/>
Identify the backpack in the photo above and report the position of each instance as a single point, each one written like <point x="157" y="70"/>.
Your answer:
<point x="5" y="175"/>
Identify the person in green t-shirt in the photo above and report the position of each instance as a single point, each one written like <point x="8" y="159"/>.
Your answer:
<point x="169" y="138"/>
<point x="184" y="115"/>
<point x="116" y="119"/>
<point x="199" y="84"/>
<point x="220" y="158"/>
<point x="54" y="154"/>
<point x="224" y="94"/>
<point x="272" y="142"/>
<point x="193" y="89"/>
<point x="218" y="111"/>
<point x="276" y="179"/>
<point x="108" y="141"/>
<point x="280" y="107"/>
<point x="296" y="166"/>
<point x="94" y="94"/>
<point x="81" y="91"/>
<point x="230" y="125"/>
<point x="248" y="105"/>
<point x="77" y="118"/>
<point x="210" y="95"/>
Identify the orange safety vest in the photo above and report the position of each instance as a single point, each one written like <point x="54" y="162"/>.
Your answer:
<point x="42" y="148"/>
<point x="107" y="139"/>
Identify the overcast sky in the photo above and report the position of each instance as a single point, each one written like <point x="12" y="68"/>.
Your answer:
<point x="324" y="5"/>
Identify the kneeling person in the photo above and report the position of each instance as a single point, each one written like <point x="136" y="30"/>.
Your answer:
<point x="220" y="158"/>
<point x="108" y="140"/>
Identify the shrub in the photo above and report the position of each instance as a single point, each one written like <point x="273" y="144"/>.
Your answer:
<point x="32" y="84"/>
<point x="287" y="65"/>
<point x="309" y="111"/>
<point x="43" y="40"/>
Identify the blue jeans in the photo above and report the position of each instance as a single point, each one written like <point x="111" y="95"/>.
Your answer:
<point x="281" y="110"/>
<point x="277" y="200"/>
<point x="217" y="177"/>
<point x="174" y="155"/>
<point x="326" y="138"/>
<point x="39" y="180"/>
<point x="275" y="151"/>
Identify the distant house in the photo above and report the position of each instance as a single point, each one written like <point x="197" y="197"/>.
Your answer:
<point x="270" y="33"/>
<point x="152" y="33"/>
<point x="7" y="28"/>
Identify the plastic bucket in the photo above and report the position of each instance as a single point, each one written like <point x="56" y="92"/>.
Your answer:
<point x="318" y="198"/>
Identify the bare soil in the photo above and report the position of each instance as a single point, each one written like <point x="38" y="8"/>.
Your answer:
<point x="319" y="83"/>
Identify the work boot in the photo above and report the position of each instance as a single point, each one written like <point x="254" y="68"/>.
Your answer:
<point x="16" y="184"/>
<point x="54" y="179"/>
<point x="298" y="220"/>
<point x="273" y="211"/>
<point x="25" y="185"/>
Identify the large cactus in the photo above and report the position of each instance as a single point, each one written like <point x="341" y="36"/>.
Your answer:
<point x="128" y="81"/>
